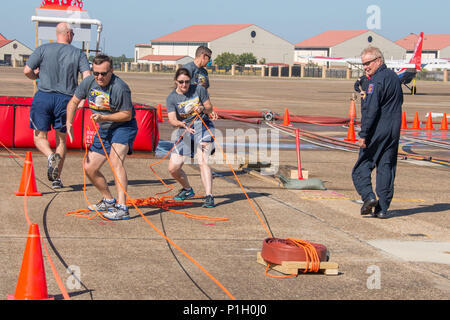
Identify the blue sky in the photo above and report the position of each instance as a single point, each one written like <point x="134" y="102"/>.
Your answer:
<point x="129" y="22"/>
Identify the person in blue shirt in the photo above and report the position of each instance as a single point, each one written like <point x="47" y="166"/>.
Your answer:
<point x="379" y="136"/>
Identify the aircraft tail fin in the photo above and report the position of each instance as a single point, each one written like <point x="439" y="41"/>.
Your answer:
<point x="417" y="56"/>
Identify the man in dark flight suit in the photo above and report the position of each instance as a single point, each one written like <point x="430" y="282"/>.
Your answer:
<point x="379" y="136"/>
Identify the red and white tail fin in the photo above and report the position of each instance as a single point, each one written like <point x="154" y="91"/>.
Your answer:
<point x="417" y="56"/>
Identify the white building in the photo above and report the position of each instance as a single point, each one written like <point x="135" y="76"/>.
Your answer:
<point x="13" y="52"/>
<point x="165" y="59"/>
<point x="234" y="38"/>
<point x="435" y="46"/>
<point x="142" y="50"/>
<point x="347" y="44"/>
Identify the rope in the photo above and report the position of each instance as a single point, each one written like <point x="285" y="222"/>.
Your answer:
<point x="311" y="256"/>
<point x="237" y="179"/>
<point x="310" y="250"/>
<point x="153" y="226"/>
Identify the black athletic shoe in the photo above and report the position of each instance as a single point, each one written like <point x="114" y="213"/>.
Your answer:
<point x="57" y="184"/>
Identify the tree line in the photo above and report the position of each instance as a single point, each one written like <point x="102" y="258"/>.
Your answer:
<point x="228" y="59"/>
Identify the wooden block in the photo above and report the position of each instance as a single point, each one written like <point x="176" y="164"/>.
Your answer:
<point x="293" y="267"/>
<point x="294" y="174"/>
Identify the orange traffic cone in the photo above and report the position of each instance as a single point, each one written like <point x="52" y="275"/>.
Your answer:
<point x="286" y="121"/>
<point x="429" y="122"/>
<point x="444" y="125"/>
<point x="159" y="114"/>
<point x="28" y="180"/>
<point x="32" y="284"/>
<point x="351" y="132"/>
<point x="352" y="109"/>
<point x="404" y="122"/>
<point x="416" y="122"/>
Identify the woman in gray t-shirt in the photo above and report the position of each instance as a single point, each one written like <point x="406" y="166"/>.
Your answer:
<point x="188" y="108"/>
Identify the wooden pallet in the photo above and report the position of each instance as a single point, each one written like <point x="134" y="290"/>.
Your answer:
<point x="293" y="267"/>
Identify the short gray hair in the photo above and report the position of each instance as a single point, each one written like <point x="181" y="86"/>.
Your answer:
<point x="374" y="52"/>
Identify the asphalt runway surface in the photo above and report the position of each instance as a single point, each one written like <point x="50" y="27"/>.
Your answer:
<point x="150" y="256"/>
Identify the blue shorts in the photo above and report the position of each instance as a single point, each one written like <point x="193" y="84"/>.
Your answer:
<point x="124" y="134"/>
<point x="49" y="110"/>
<point x="189" y="143"/>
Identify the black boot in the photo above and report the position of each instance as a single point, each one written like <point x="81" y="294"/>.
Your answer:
<point x="379" y="213"/>
<point x="368" y="205"/>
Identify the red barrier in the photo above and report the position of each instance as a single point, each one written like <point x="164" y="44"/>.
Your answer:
<point x="23" y="135"/>
<point x="23" y="101"/>
<point x="15" y="122"/>
<point x="148" y="133"/>
<point x="7" y="126"/>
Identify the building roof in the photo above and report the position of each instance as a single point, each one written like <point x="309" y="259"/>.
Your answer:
<point x="4" y="41"/>
<point x="201" y="33"/>
<point x="430" y="41"/>
<point x="153" y="57"/>
<point x="148" y="45"/>
<point x="330" y="38"/>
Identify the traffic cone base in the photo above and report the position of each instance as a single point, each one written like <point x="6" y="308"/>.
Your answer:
<point x="351" y="132"/>
<point x="286" y="121"/>
<point x="32" y="284"/>
<point x="28" y="181"/>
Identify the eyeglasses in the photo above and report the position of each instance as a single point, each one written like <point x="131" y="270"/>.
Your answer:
<point x="365" y="64"/>
<point x="71" y="33"/>
<point x="184" y="81"/>
<point x="104" y="74"/>
<point x="209" y="57"/>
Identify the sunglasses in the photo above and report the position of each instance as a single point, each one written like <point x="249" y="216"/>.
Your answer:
<point x="104" y="74"/>
<point x="369" y="62"/>
<point x="184" y="81"/>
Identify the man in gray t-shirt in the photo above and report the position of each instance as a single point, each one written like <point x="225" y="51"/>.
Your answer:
<point x="110" y="102"/>
<point x="196" y="68"/>
<point x="55" y="67"/>
<point x="59" y="64"/>
<point x="114" y="97"/>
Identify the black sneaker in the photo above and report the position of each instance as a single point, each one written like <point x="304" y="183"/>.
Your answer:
<point x="209" y="202"/>
<point x="57" y="184"/>
<point x="52" y="169"/>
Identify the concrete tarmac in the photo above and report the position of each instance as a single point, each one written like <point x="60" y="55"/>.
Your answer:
<point x="404" y="257"/>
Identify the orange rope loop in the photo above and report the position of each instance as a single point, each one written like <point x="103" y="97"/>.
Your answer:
<point x="310" y="253"/>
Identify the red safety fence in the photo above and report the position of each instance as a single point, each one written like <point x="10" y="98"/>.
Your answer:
<point x="16" y="133"/>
